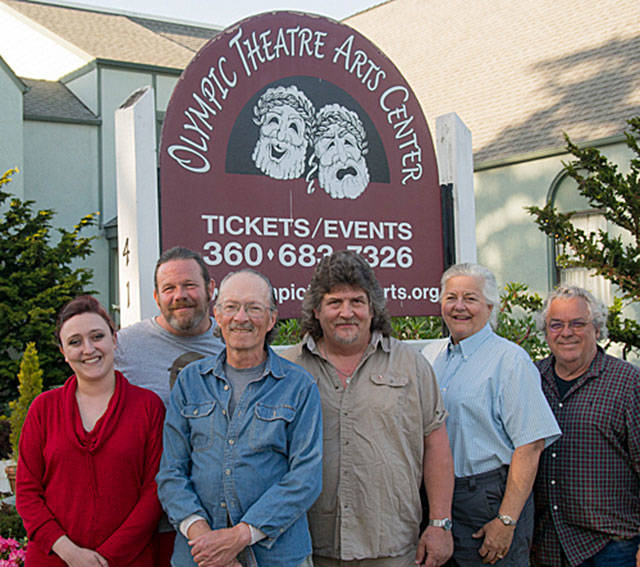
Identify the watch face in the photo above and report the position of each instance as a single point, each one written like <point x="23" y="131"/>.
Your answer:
<point x="445" y="524"/>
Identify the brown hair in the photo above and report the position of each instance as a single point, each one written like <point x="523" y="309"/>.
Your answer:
<point x="344" y="267"/>
<point x="79" y="305"/>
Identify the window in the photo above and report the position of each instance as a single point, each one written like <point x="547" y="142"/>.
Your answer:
<point x="564" y="196"/>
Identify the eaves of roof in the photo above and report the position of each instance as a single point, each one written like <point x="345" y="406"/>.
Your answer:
<point x="51" y="101"/>
<point x="119" y="37"/>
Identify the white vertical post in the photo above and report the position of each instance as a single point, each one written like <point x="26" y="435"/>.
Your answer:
<point x="137" y="181"/>
<point x="455" y="165"/>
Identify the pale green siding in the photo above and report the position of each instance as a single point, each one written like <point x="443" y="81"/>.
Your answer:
<point x="11" y="144"/>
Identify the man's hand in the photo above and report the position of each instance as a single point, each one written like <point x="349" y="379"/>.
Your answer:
<point x="497" y="540"/>
<point x="435" y="547"/>
<point x="76" y="556"/>
<point x="219" y="548"/>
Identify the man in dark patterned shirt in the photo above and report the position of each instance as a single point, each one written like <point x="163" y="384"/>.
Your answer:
<point x="588" y="487"/>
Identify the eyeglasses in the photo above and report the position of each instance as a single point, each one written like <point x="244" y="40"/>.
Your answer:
<point x="576" y="325"/>
<point x="231" y="308"/>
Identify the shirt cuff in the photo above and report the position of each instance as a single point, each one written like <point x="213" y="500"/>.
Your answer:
<point x="186" y="523"/>
<point x="256" y="534"/>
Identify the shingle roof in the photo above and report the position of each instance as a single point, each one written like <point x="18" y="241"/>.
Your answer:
<point x="119" y="37"/>
<point x="53" y="101"/>
<point x="517" y="72"/>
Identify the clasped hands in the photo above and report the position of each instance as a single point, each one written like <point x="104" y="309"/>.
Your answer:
<point x="218" y="548"/>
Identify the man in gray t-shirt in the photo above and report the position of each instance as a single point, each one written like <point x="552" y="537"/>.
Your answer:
<point x="152" y="352"/>
<point x="151" y="357"/>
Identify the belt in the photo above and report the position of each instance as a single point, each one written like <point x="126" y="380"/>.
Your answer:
<point x="470" y="482"/>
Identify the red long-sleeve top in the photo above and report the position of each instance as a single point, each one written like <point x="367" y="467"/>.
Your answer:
<point x="96" y="487"/>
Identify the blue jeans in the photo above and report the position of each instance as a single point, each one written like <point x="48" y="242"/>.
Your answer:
<point x="617" y="553"/>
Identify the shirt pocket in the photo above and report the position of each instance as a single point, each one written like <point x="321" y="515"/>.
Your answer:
<point x="269" y="427"/>
<point x="387" y="392"/>
<point x="199" y="419"/>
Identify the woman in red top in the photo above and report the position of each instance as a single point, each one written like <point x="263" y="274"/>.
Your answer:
<point x="89" y="452"/>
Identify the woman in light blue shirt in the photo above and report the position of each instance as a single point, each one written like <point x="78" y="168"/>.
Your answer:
<point x="499" y="422"/>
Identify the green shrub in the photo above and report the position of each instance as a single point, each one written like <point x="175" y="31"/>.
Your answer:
<point x="11" y="525"/>
<point x="30" y="385"/>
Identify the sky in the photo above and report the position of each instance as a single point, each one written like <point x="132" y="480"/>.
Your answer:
<point x="223" y="13"/>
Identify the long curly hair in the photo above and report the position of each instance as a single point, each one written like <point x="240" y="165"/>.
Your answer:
<point x="344" y="267"/>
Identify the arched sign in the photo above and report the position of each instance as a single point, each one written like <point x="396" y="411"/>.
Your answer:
<point x="289" y="136"/>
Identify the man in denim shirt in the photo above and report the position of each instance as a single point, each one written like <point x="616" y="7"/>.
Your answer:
<point x="242" y="458"/>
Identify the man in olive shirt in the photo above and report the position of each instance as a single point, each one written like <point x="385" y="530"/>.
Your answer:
<point x="383" y="427"/>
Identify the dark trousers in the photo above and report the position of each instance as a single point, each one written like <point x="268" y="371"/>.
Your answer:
<point x="476" y="500"/>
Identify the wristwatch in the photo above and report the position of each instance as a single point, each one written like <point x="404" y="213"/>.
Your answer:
<point x="445" y="524"/>
<point x="507" y="520"/>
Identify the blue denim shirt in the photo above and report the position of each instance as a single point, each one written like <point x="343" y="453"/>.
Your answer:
<point x="263" y="466"/>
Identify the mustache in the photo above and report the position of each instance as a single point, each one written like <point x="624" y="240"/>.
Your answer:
<point x="179" y="303"/>
<point x="242" y="327"/>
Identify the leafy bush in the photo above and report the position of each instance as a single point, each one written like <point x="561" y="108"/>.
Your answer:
<point x="5" y="434"/>
<point x="616" y="258"/>
<point x="36" y="280"/>
<point x="30" y="385"/>
<point x="11" y="525"/>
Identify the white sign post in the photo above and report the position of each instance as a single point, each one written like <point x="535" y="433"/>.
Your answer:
<point x="137" y="191"/>
<point x="455" y="166"/>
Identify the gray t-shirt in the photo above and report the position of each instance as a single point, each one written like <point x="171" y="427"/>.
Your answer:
<point x="151" y="357"/>
<point x="240" y="378"/>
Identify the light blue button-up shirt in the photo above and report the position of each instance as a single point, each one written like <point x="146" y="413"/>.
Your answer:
<point x="493" y="394"/>
<point x="262" y="466"/>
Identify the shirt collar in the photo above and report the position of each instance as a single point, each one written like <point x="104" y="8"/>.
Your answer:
<point x="215" y="364"/>
<point x="471" y="344"/>
<point x="377" y="338"/>
<point x="595" y="368"/>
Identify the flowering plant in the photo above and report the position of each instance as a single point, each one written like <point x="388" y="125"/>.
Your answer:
<point x="12" y="552"/>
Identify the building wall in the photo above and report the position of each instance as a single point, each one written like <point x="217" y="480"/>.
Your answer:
<point x="11" y="137"/>
<point x="509" y="242"/>
<point x="63" y="176"/>
<point x="116" y="86"/>
<point x="85" y="87"/>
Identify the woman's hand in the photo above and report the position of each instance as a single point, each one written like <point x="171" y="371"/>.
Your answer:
<point x="76" y="556"/>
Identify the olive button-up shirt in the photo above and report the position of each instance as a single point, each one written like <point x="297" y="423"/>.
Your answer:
<point x="373" y="443"/>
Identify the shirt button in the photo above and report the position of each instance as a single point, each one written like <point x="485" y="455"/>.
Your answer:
<point x="560" y="404"/>
<point x="223" y="504"/>
<point x="226" y="386"/>
<point x="230" y="441"/>
<point x="553" y="482"/>
<point x="227" y="471"/>
<point x="553" y="455"/>
<point x="555" y="507"/>
<point x="195" y="412"/>
<point x="224" y="412"/>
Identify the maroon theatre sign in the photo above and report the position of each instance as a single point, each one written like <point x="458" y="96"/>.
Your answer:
<point x="289" y="136"/>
